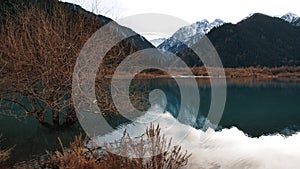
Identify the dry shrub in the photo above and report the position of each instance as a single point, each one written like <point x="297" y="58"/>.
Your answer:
<point x="41" y="43"/>
<point x="76" y="156"/>
<point x="37" y="58"/>
<point x="4" y="154"/>
<point x="155" y="145"/>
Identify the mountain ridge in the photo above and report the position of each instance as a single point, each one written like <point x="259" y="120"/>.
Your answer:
<point x="188" y="35"/>
<point x="259" y="40"/>
<point x="291" y="18"/>
<point x="182" y="34"/>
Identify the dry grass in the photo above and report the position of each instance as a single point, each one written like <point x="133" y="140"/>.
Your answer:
<point x="155" y="145"/>
<point x="4" y="154"/>
<point x="242" y="72"/>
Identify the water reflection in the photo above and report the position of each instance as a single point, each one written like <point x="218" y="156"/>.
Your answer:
<point x="255" y="107"/>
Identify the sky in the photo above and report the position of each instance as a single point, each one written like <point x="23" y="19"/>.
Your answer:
<point x="191" y="10"/>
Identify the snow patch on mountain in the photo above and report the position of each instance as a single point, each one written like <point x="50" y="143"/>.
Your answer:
<point x="189" y="35"/>
<point x="291" y="18"/>
<point x="158" y="41"/>
<point x="201" y="27"/>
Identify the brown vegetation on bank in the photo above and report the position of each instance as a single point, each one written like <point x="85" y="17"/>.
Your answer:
<point x="288" y="73"/>
<point x="264" y="72"/>
<point x="4" y="153"/>
<point x="161" y="154"/>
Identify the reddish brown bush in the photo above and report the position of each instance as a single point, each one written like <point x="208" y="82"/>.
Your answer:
<point x="38" y="55"/>
<point x="40" y="47"/>
<point x="4" y="154"/>
<point x="78" y="156"/>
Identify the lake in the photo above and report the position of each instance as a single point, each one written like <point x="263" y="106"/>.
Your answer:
<point x="256" y="108"/>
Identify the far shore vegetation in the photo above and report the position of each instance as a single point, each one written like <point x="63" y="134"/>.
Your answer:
<point x="261" y="73"/>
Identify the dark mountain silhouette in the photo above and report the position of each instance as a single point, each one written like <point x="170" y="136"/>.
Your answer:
<point x="259" y="40"/>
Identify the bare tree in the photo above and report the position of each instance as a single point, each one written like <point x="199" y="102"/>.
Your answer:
<point x="38" y="53"/>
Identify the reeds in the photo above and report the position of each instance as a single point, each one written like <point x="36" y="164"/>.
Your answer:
<point x="152" y="152"/>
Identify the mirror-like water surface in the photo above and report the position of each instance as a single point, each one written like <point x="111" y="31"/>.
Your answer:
<point x="256" y="109"/>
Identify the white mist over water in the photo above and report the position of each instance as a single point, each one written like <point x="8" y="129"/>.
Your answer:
<point x="226" y="149"/>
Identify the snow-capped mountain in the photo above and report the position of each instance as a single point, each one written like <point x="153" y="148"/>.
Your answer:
<point x="291" y="18"/>
<point x="158" y="41"/>
<point x="188" y="35"/>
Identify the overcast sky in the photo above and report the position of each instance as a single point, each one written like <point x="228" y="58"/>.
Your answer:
<point x="191" y="10"/>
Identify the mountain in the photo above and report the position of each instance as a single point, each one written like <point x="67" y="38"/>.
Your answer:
<point x="291" y="18"/>
<point x="158" y="41"/>
<point x="127" y="46"/>
<point x="189" y="35"/>
<point x="259" y="40"/>
<point x="10" y="5"/>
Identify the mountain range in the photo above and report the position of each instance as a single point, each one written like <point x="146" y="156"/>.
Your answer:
<point x="192" y="33"/>
<point x="188" y="35"/>
<point x="257" y="40"/>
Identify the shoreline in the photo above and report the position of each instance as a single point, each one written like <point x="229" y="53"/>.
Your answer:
<point x="231" y="74"/>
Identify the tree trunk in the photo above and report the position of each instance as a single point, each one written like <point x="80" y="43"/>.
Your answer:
<point x="55" y="119"/>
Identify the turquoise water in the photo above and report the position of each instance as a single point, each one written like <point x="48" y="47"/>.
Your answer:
<point x="257" y="109"/>
<point x="30" y="139"/>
